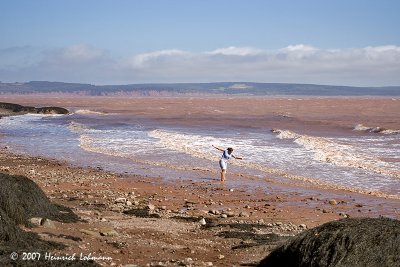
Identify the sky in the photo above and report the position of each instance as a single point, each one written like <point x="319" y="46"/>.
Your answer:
<point x="336" y="42"/>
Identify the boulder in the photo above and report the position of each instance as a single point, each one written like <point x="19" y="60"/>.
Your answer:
<point x="22" y="199"/>
<point x="347" y="242"/>
<point x="27" y="109"/>
<point x="51" y="110"/>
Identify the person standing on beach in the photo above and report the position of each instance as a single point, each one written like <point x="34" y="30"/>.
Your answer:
<point x="223" y="162"/>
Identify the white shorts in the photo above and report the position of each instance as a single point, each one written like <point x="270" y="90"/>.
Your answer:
<point x="222" y="164"/>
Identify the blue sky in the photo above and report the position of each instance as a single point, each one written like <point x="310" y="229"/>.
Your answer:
<point x="351" y="42"/>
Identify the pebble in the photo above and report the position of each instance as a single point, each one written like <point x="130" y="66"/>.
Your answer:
<point x="46" y="223"/>
<point x="215" y="212"/>
<point x="150" y="207"/>
<point x="221" y="256"/>
<point x="108" y="232"/>
<point x="36" y="221"/>
<point x="332" y="202"/>
<point x="229" y="213"/>
<point x="203" y="221"/>
<point x="244" y="214"/>
<point x="89" y="232"/>
<point x="120" y="200"/>
<point x="303" y="226"/>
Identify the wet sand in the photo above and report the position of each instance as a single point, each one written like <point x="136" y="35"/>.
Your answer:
<point x="158" y="221"/>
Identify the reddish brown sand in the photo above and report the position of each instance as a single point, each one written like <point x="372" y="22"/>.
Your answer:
<point x="175" y="236"/>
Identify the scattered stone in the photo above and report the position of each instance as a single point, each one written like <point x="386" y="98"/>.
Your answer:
<point x="4" y="169"/>
<point x="244" y="214"/>
<point x="36" y="221"/>
<point x="203" y="221"/>
<point x="188" y="261"/>
<point x="224" y="216"/>
<point x="150" y="207"/>
<point x="89" y="232"/>
<point x="108" y="232"/>
<point x="47" y="223"/>
<point x="215" y="212"/>
<point x="303" y="226"/>
<point x="120" y="200"/>
<point x="229" y="213"/>
<point x="332" y="202"/>
<point x="221" y="256"/>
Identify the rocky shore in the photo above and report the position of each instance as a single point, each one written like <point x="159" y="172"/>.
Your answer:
<point x="74" y="216"/>
<point x="145" y="221"/>
<point x="13" y="109"/>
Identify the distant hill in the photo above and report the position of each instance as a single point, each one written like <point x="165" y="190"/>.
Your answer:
<point x="231" y="88"/>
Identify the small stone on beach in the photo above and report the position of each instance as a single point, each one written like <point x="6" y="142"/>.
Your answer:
<point x="332" y="202"/>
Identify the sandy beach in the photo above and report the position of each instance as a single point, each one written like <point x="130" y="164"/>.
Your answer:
<point x="152" y="221"/>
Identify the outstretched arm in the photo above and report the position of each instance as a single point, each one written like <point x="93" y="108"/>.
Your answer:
<point x="237" y="157"/>
<point x="220" y="149"/>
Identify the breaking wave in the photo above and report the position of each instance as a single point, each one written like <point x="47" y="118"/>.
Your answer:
<point x="89" y="112"/>
<point x="344" y="155"/>
<point x="362" y="128"/>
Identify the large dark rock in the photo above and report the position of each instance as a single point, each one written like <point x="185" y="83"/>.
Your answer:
<point x="21" y="199"/>
<point x="52" y="110"/>
<point x="348" y="242"/>
<point x="26" y="109"/>
<point x="11" y="107"/>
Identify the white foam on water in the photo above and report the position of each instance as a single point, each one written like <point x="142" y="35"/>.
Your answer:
<point x="337" y="163"/>
<point x="340" y="154"/>
<point x="89" y="112"/>
<point x="377" y="129"/>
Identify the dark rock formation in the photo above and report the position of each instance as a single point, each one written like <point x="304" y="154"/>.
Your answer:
<point x="11" y="107"/>
<point x="20" y="199"/>
<point x="26" y="109"/>
<point x="348" y="242"/>
<point x="51" y="110"/>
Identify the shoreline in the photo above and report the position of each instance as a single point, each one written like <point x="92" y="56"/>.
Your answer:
<point x="144" y="220"/>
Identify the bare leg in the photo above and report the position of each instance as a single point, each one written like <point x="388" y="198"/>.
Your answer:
<point x="223" y="172"/>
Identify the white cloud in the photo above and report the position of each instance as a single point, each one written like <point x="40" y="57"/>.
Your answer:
<point x="146" y="59"/>
<point x="236" y="51"/>
<point x="368" y="66"/>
